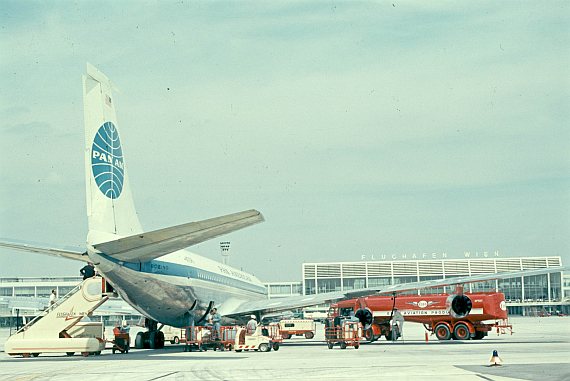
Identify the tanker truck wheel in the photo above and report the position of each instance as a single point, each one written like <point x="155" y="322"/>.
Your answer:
<point x="309" y="335"/>
<point x="479" y="335"/>
<point x="461" y="331"/>
<point x="369" y="335"/>
<point x="442" y="332"/>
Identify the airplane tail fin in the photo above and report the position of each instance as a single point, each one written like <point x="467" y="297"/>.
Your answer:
<point x="110" y="206"/>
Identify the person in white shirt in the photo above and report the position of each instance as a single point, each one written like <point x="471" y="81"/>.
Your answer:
<point x="52" y="299"/>
<point x="252" y="325"/>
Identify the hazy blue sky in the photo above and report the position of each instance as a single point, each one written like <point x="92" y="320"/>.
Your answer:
<point x="359" y="128"/>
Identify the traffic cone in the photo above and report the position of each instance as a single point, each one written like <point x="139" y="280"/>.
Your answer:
<point x="495" y="359"/>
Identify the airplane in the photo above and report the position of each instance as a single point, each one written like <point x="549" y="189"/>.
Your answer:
<point x="152" y="271"/>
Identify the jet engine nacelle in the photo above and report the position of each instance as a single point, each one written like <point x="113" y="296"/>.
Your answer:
<point x="458" y="306"/>
<point x="365" y="317"/>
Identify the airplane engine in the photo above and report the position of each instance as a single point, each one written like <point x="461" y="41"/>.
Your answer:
<point x="365" y="317"/>
<point x="458" y="306"/>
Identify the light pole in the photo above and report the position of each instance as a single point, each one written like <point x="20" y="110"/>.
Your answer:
<point x="225" y="248"/>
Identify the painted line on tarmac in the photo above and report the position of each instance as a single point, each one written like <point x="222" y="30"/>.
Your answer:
<point x="63" y="371"/>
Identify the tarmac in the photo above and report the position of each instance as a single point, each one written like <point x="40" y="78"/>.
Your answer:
<point x="538" y="350"/>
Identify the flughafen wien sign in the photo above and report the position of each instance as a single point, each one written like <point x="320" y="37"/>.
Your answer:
<point x="392" y="257"/>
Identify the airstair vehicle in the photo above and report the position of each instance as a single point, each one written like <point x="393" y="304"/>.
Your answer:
<point x="56" y="330"/>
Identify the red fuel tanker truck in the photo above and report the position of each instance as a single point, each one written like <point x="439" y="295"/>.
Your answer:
<point x="450" y="316"/>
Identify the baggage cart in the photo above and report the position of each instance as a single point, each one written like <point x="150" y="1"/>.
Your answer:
<point x="346" y="336"/>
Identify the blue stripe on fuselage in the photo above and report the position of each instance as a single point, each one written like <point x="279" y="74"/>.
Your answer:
<point x="175" y="269"/>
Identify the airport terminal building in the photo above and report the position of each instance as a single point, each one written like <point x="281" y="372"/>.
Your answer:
<point x="524" y="295"/>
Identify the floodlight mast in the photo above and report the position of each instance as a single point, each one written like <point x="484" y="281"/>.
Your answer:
<point x="225" y="248"/>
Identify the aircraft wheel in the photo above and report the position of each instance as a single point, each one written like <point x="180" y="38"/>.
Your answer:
<point x="139" y="341"/>
<point x="156" y="340"/>
<point x="309" y="335"/>
<point x="461" y="331"/>
<point x="263" y="347"/>
<point x="442" y="332"/>
<point x="330" y="345"/>
<point x="342" y="345"/>
<point x="152" y="340"/>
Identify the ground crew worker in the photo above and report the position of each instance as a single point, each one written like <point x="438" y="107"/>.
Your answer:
<point x="88" y="271"/>
<point x="252" y="324"/>
<point x="399" y="319"/>
<point x="215" y="318"/>
<point x="52" y="299"/>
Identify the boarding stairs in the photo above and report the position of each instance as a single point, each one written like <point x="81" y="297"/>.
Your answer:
<point x="53" y="329"/>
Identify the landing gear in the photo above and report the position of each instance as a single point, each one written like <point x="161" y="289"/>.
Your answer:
<point x="152" y="339"/>
<point x="156" y="340"/>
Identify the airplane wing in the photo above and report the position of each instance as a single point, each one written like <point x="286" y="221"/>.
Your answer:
<point x="268" y="306"/>
<point x="61" y="251"/>
<point x="146" y="246"/>
<point x="27" y="303"/>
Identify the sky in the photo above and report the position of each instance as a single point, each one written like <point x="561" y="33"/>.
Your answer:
<point x="355" y="128"/>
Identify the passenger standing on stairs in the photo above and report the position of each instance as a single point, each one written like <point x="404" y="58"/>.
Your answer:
<point x="52" y="299"/>
<point x="88" y="271"/>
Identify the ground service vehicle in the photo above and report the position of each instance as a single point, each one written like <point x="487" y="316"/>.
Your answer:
<point x="297" y="327"/>
<point x="449" y="316"/>
<point x="255" y="341"/>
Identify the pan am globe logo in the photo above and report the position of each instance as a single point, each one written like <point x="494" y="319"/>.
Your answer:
<point x="107" y="161"/>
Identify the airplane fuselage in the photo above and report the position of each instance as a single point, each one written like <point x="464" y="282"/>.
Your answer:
<point x="179" y="288"/>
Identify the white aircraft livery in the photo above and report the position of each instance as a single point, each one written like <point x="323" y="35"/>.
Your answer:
<point x="151" y="270"/>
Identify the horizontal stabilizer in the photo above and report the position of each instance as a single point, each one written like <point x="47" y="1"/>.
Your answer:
<point x="62" y="252"/>
<point x="146" y="246"/>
